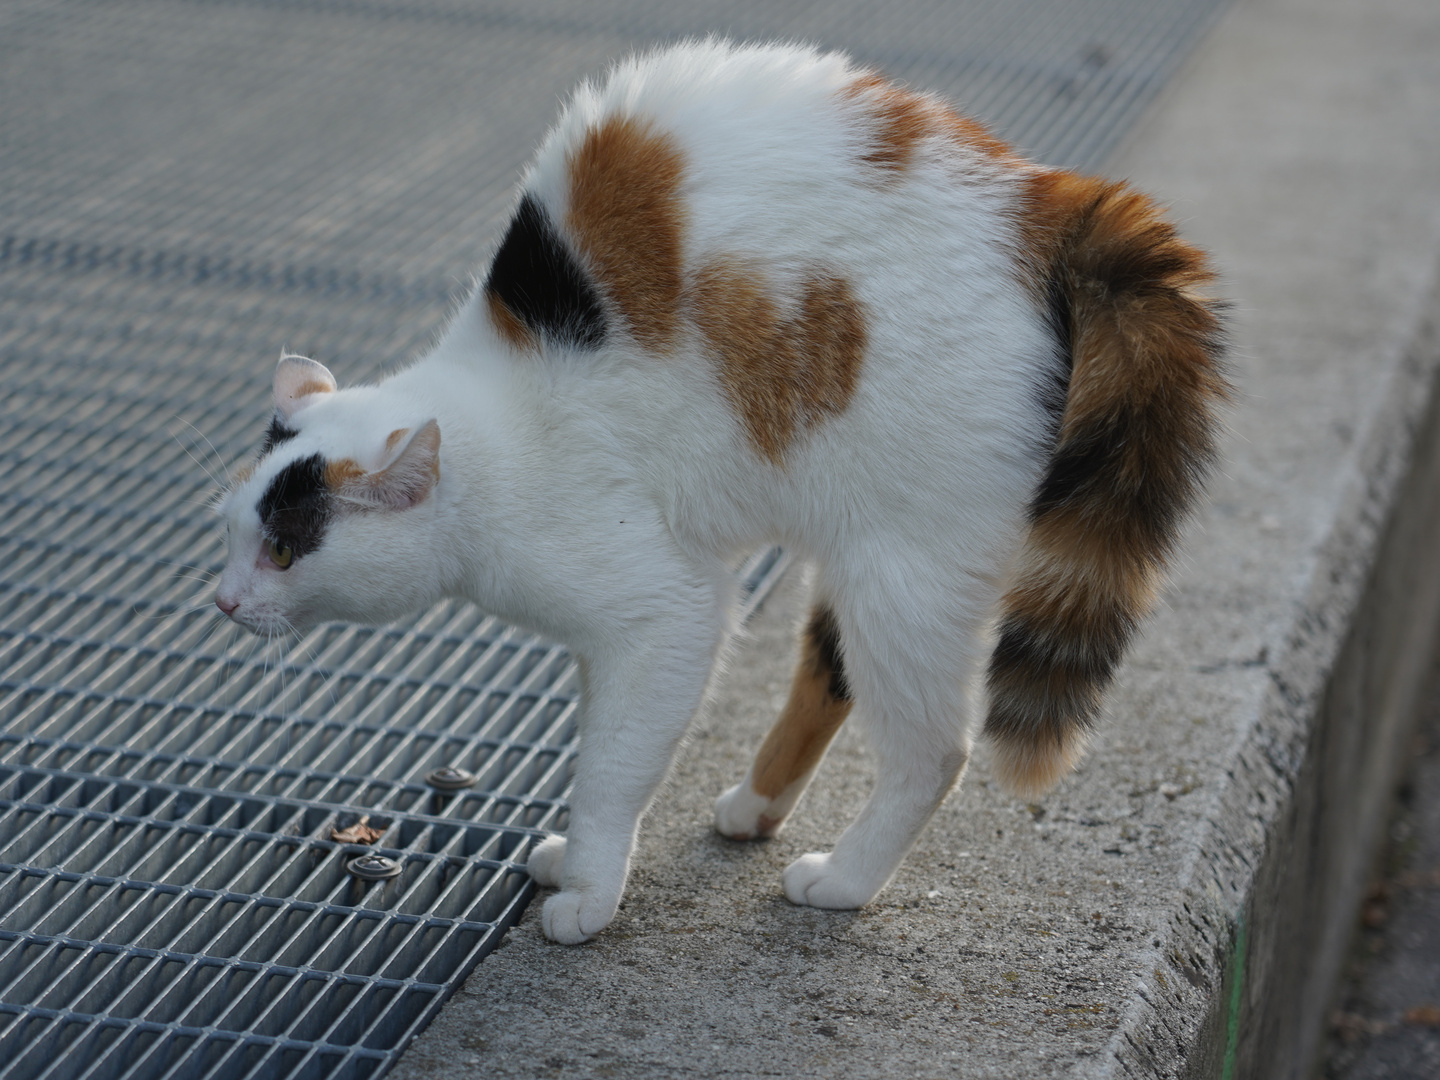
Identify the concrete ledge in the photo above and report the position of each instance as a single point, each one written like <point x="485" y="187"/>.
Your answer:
<point x="1266" y="911"/>
<point x="1180" y="906"/>
<point x="1313" y="780"/>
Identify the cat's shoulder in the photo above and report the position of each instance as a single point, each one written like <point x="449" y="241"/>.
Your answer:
<point x="706" y="83"/>
<point x="705" y="103"/>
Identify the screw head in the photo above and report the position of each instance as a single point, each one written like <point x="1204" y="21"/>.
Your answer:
<point x="373" y="868"/>
<point x="447" y="778"/>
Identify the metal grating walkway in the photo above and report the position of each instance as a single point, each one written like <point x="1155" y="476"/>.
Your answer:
<point x="186" y="188"/>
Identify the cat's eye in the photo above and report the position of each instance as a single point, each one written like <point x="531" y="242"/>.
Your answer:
<point x="281" y="556"/>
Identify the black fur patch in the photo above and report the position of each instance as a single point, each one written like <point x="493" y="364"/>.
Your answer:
<point x="1054" y="388"/>
<point x="1086" y="460"/>
<point x="296" y="506"/>
<point x="1025" y="651"/>
<point x="824" y="635"/>
<point x="541" y="282"/>
<point x="276" y="434"/>
<point x="1040" y="688"/>
<point x="1136" y="470"/>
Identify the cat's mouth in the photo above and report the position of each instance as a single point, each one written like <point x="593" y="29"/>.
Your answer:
<point x="261" y="623"/>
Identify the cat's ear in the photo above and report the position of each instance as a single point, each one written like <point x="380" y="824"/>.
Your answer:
<point x="407" y="480"/>
<point x="298" y="378"/>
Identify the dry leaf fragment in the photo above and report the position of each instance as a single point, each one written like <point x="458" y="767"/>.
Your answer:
<point x="1419" y="879"/>
<point x="1424" y="1016"/>
<point x="1375" y="911"/>
<point x="359" y="833"/>
<point x="1351" y="1026"/>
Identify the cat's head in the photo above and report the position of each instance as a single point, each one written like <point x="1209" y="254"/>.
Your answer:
<point x="336" y="518"/>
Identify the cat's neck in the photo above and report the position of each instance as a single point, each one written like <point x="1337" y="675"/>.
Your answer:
<point x="520" y="477"/>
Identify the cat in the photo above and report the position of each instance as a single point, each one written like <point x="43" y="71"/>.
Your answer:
<point x="759" y="294"/>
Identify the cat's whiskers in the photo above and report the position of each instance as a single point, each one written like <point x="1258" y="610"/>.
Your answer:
<point x="204" y="577"/>
<point x="203" y="467"/>
<point x="224" y="468"/>
<point x="215" y="627"/>
<point x="187" y="566"/>
<point x="282" y="659"/>
<point x="276" y="641"/>
<point x="172" y="613"/>
<point x="311" y="655"/>
<point x="257" y="644"/>
<point x="265" y="667"/>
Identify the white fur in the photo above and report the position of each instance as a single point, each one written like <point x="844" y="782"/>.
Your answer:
<point x="598" y="497"/>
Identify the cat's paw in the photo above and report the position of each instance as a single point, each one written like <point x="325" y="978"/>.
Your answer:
<point x="741" y="814"/>
<point x="816" y="881"/>
<point x="574" y="916"/>
<point x="546" y="861"/>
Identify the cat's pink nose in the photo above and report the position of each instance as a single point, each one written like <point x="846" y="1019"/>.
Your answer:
<point x="228" y="609"/>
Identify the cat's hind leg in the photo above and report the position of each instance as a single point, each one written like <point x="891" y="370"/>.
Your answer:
<point x="910" y="684"/>
<point x="819" y="701"/>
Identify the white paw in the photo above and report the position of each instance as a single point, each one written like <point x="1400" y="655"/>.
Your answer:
<point x="814" y="880"/>
<point x="574" y="916"/>
<point x="740" y="814"/>
<point x="546" y="861"/>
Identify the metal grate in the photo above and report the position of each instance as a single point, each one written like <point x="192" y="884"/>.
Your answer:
<point x="186" y="189"/>
<point x="171" y="897"/>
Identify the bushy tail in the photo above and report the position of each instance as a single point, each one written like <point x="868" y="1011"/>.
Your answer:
<point x="1136" y="439"/>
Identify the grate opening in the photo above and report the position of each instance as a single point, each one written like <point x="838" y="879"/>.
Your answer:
<point x="184" y="193"/>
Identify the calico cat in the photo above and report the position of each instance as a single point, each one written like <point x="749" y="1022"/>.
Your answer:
<point x="753" y="295"/>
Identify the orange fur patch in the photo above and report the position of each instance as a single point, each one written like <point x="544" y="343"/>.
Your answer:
<point x="1068" y="568"/>
<point x="627" y="219"/>
<point x="342" y="472"/>
<point x="305" y="389"/>
<point x="804" y="730"/>
<point x="508" y="325"/>
<point x="799" y="738"/>
<point x="782" y="375"/>
<point x="1076" y="598"/>
<point x="977" y="136"/>
<point x="393" y="439"/>
<point x="902" y="119"/>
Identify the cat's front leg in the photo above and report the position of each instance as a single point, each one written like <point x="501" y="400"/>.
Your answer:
<point x="546" y="860"/>
<point x="638" y="701"/>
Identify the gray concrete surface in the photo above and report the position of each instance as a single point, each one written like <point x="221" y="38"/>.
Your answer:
<point x="1386" y="1024"/>
<point x="1179" y="907"/>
